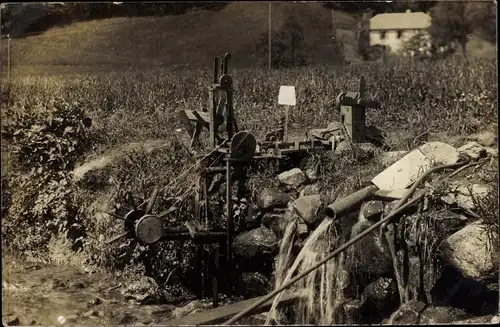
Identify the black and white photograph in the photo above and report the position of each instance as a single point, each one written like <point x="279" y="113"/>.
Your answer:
<point x="191" y="163"/>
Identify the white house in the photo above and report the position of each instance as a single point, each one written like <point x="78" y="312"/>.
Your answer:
<point x="393" y="29"/>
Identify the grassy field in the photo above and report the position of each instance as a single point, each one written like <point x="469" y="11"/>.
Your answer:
<point x="187" y="40"/>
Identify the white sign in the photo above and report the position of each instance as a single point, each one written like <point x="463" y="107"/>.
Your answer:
<point x="287" y="95"/>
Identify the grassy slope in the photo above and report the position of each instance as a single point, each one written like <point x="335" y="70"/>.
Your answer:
<point x="193" y="38"/>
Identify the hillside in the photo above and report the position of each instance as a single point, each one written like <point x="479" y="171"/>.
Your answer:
<point x="193" y="38"/>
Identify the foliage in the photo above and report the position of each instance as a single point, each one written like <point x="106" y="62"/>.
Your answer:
<point x="45" y="141"/>
<point x="287" y="47"/>
<point x="354" y="6"/>
<point x="456" y="20"/>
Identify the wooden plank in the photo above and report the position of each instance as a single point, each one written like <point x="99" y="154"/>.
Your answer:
<point x="221" y="314"/>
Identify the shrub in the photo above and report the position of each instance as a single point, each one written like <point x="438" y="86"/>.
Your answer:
<point x="45" y="141"/>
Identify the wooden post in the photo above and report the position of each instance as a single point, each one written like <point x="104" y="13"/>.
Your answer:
<point x="269" y="36"/>
<point x="8" y="56"/>
<point x="285" y="129"/>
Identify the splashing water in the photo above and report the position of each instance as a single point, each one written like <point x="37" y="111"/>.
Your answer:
<point x="325" y="285"/>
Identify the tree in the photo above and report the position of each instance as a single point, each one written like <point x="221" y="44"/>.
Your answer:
<point x="456" y="20"/>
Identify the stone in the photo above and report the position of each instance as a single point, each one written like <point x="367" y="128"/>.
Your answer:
<point x="486" y="138"/>
<point x="379" y="299"/>
<point x="272" y="198"/>
<point x="127" y="319"/>
<point x="302" y="230"/>
<point x="419" y="313"/>
<point x="440" y="153"/>
<point x="495" y="319"/>
<point x="473" y="150"/>
<point x="280" y="221"/>
<point x="311" y="189"/>
<point x="294" y="177"/>
<point x="307" y="208"/>
<point x="255" y="242"/>
<point x="253" y="285"/>
<point x="447" y="222"/>
<point x="372" y="210"/>
<point x="463" y="195"/>
<point x="454" y="289"/>
<point x="470" y="250"/>
<point x="351" y="312"/>
<point x="142" y="290"/>
<point x="492" y="152"/>
<point x="371" y="255"/>
<point x="14" y="322"/>
<point x="476" y="320"/>
<point x="389" y="157"/>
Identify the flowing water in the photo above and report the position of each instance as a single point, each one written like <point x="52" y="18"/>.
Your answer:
<point x="325" y="285"/>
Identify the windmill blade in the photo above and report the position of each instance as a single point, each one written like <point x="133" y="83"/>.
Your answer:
<point x="152" y="200"/>
<point x="167" y="212"/>
<point x="130" y="200"/>
<point x="115" y="216"/>
<point x="116" y="238"/>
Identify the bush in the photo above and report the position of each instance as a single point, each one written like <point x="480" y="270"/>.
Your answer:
<point x="45" y="141"/>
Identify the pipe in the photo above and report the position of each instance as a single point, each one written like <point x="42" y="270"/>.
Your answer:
<point x="339" y="207"/>
<point x="346" y="245"/>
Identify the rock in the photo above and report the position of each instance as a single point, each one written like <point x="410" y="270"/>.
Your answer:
<point x="372" y="210"/>
<point x="294" y="177"/>
<point x="127" y="319"/>
<point x="253" y="285"/>
<point x="281" y="221"/>
<point x="95" y="302"/>
<point x="492" y="152"/>
<point x="486" y="138"/>
<point x="308" y="207"/>
<point x="257" y="241"/>
<point x="440" y="153"/>
<point x="447" y="222"/>
<point x="458" y="291"/>
<point x="14" y="322"/>
<point x="470" y="250"/>
<point x="418" y="313"/>
<point x="190" y="308"/>
<point x="473" y="150"/>
<point x="463" y="195"/>
<point x="495" y="319"/>
<point x="302" y="230"/>
<point x="311" y="189"/>
<point x="370" y="254"/>
<point x="351" y="312"/>
<point x="142" y="290"/>
<point x="78" y="285"/>
<point x="272" y="198"/>
<point x="379" y="299"/>
<point x="389" y="157"/>
<point x="90" y="313"/>
<point x="475" y="320"/>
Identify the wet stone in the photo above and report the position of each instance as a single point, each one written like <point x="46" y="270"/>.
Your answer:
<point x="255" y="242"/>
<point x="253" y="285"/>
<point x="379" y="299"/>
<point x="372" y="210"/>
<point x="294" y="177"/>
<point x="272" y="198"/>
<point x="127" y="319"/>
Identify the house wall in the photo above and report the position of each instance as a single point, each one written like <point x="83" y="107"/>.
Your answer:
<point x="392" y="39"/>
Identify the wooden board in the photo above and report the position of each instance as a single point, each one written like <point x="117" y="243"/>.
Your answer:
<point x="404" y="172"/>
<point x="221" y="314"/>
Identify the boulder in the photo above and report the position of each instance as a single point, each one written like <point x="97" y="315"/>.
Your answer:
<point x="294" y="177"/>
<point x="463" y="195"/>
<point x="255" y="242"/>
<point x="486" y="138"/>
<point x="440" y="153"/>
<point x="419" y="313"/>
<point x="473" y="150"/>
<point x="370" y="255"/>
<point x="272" y="198"/>
<point x="278" y="222"/>
<point x="311" y="189"/>
<point x="307" y="208"/>
<point x="142" y="290"/>
<point x="447" y="222"/>
<point x="379" y="299"/>
<point x="372" y="210"/>
<point x="253" y="285"/>
<point x="471" y="251"/>
<point x="454" y="289"/>
<point x="389" y="157"/>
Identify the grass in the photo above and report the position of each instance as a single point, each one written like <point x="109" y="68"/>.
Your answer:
<point x="186" y="40"/>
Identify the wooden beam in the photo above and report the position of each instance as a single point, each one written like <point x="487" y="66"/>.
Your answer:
<point x="220" y="314"/>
